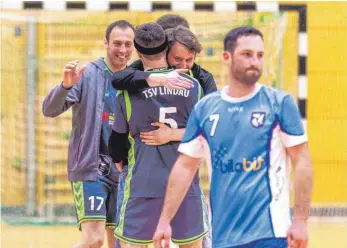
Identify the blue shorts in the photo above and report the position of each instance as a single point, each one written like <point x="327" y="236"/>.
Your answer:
<point x="96" y="200"/>
<point x="139" y="217"/>
<point x="266" y="243"/>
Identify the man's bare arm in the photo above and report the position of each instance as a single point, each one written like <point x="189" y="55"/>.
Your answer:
<point x="303" y="179"/>
<point x="177" y="134"/>
<point x="171" y="80"/>
<point x="163" y="135"/>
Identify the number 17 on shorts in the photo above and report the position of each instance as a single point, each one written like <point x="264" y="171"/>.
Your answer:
<point x="89" y="201"/>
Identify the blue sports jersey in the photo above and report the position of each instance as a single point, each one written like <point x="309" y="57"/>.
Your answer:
<point x="247" y="137"/>
<point x="109" y="108"/>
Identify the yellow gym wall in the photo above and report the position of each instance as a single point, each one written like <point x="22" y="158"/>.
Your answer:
<point x="13" y="113"/>
<point x="290" y="54"/>
<point x="327" y="100"/>
<point x="327" y="95"/>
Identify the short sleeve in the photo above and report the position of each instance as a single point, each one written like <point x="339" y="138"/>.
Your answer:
<point x="292" y="129"/>
<point x="192" y="143"/>
<point x="120" y="124"/>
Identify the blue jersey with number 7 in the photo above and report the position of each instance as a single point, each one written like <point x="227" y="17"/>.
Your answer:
<point x="150" y="166"/>
<point x="248" y="139"/>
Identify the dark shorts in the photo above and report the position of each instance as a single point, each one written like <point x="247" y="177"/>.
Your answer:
<point x="139" y="217"/>
<point x="266" y="243"/>
<point x="96" y="201"/>
<point x="120" y="195"/>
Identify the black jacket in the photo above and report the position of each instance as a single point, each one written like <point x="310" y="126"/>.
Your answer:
<point x="133" y="78"/>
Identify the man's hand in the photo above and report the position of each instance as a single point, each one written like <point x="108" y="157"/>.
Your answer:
<point x="171" y="80"/>
<point x="119" y="166"/>
<point x="162" y="235"/>
<point x="297" y="236"/>
<point x="157" y="137"/>
<point x="72" y="73"/>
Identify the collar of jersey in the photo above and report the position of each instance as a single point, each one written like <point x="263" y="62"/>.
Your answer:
<point x="107" y="67"/>
<point x="160" y="70"/>
<point x="228" y="98"/>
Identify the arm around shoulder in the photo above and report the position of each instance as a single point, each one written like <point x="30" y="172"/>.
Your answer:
<point x="130" y="79"/>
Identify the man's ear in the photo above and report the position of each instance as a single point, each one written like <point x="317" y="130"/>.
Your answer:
<point x="227" y="57"/>
<point x="105" y="43"/>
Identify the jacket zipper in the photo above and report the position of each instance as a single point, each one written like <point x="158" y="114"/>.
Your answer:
<point x="100" y="119"/>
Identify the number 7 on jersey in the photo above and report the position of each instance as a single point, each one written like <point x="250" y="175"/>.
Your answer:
<point x="215" y="119"/>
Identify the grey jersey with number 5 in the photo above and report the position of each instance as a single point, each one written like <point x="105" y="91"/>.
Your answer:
<point x="150" y="166"/>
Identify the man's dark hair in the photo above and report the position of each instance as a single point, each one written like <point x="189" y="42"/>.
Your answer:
<point x="150" y="41"/>
<point x="150" y="35"/>
<point x="184" y="36"/>
<point x="232" y="36"/>
<point x="119" y="24"/>
<point x="172" y="21"/>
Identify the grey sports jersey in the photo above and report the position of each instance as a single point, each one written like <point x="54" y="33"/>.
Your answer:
<point x="150" y="166"/>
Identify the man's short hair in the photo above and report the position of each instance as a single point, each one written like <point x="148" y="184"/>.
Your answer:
<point x="232" y="36"/>
<point x="185" y="37"/>
<point x="150" y="35"/>
<point x="119" y="24"/>
<point x="172" y="21"/>
<point x="150" y="40"/>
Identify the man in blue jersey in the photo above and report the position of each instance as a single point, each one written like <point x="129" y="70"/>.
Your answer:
<point x="253" y="132"/>
<point x="150" y="166"/>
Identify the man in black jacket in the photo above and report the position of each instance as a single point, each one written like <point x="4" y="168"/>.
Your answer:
<point x="183" y="46"/>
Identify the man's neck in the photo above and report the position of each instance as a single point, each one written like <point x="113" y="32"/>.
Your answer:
<point x="113" y="67"/>
<point x="148" y="65"/>
<point x="238" y="89"/>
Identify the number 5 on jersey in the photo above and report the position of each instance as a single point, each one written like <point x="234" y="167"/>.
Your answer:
<point x="162" y="118"/>
<point x="215" y="119"/>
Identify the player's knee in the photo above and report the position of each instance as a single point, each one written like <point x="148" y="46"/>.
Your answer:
<point x="96" y="242"/>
